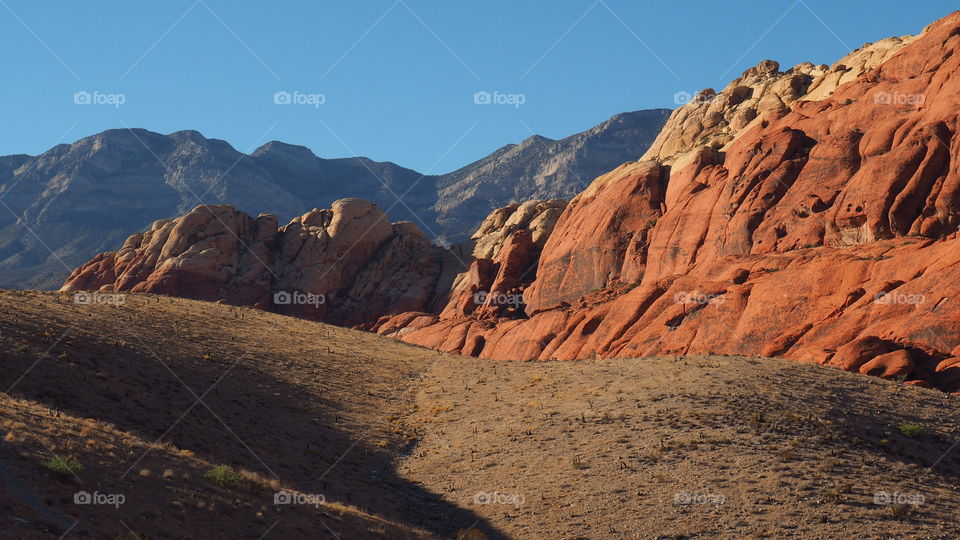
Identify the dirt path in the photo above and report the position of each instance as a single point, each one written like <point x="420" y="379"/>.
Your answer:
<point x="719" y="447"/>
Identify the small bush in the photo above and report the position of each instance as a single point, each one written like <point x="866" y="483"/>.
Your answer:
<point x="64" y="466"/>
<point x="914" y="431"/>
<point x="223" y="475"/>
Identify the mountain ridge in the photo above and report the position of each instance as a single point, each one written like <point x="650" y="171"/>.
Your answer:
<point x="86" y="197"/>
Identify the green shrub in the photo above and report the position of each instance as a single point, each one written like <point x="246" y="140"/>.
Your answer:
<point x="223" y="475"/>
<point x="914" y="431"/>
<point x="64" y="466"/>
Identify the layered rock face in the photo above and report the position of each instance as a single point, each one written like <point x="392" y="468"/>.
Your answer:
<point x="346" y="265"/>
<point x="819" y="228"/>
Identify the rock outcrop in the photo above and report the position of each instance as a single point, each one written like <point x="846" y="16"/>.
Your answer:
<point x="762" y="93"/>
<point x="822" y="230"/>
<point x="345" y="265"/>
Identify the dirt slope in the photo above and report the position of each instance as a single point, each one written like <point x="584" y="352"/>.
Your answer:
<point x="754" y="448"/>
<point x="167" y="495"/>
<point x="316" y="408"/>
<point x="404" y="442"/>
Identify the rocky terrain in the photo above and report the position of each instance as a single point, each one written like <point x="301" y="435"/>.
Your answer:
<point x="199" y="414"/>
<point x="347" y="265"/>
<point x="820" y="227"/>
<point x="59" y="209"/>
<point x="826" y="232"/>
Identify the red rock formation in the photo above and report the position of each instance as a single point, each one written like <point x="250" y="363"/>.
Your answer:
<point x="354" y="263"/>
<point x="810" y="214"/>
<point x="827" y="232"/>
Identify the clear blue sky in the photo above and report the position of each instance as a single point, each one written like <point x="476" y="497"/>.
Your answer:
<point x="398" y="78"/>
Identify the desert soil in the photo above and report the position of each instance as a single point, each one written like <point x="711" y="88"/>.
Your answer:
<point x="152" y="395"/>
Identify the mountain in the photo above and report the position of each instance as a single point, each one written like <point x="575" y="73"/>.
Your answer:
<point x="80" y="199"/>
<point x="541" y="168"/>
<point x="62" y="207"/>
<point x="810" y="213"/>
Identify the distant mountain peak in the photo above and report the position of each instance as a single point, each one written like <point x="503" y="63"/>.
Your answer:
<point x="87" y="197"/>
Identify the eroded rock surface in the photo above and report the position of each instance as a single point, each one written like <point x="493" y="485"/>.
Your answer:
<point x="823" y="229"/>
<point x="356" y="264"/>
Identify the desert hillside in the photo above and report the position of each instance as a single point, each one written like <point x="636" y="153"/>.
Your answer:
<point x="298" y="405"/>
<point x="406" y="442"/>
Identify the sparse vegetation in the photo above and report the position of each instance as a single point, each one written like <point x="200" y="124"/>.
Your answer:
<point x="222" y="475"/>
<point x="914" y="431"/>
<point x="64" y="466"/>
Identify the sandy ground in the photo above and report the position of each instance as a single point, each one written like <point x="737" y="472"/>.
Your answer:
<point x="403" y="442"/>
<point x="719" y="447"/>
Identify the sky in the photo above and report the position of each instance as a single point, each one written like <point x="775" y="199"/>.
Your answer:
<point x="396" y="80"/>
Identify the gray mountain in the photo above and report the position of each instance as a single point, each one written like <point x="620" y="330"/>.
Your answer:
<point x="542" y="168"/>
<point x="59" y="209"/>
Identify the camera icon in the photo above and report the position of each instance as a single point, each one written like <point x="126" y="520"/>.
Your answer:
<point x="883" y="98"/>
<point x="682" y="498"/>
<point x="282" y="298"/>
<point x="82" y="497"/>
<point x="282" y="497"/>
<point x="682" y="97"/>
<point x="82" y="298"/>
<point x="482" y="98"/>
<point x="282" y="98"/>
<point x="482" y="497"/>
<point x="882" y="498"/>
<point x="480" y="297"/>
<point x="82" y="98"/>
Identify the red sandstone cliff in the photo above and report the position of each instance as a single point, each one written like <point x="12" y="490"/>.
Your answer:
<point x="823" y="229"/>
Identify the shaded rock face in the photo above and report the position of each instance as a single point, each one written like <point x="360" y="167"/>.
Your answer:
<point x="346" y="265"/>
<point x="823" y="230"/>
<point x="87" y="197"/>
<point x="503" y="258"/>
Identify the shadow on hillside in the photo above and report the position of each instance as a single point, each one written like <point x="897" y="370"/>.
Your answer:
<point x="247" y="420"/>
